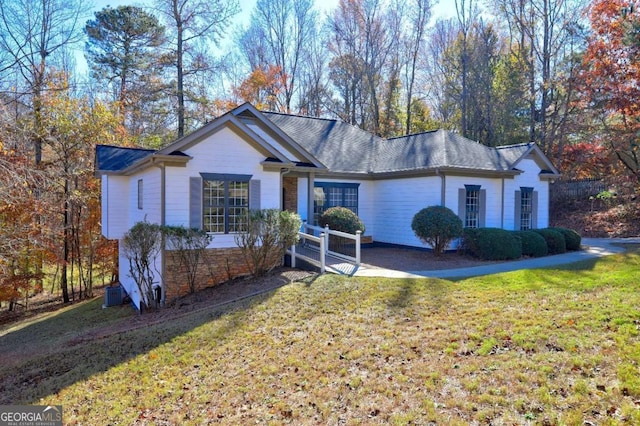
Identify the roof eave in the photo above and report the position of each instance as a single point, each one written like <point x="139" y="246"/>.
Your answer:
<point x="275" y="165"/>
<point x="434" y="171"/>
<point x="212" y="127"/>
<point x="533" y="147"/>
<point x="279" y="132"/>
<point x="156" y="160"/>
<point x="549" y="176"/>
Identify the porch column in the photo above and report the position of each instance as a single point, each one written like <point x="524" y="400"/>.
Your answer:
<point x="310" y="189"/>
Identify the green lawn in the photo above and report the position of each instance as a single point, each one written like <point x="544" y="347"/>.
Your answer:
<point x="557" y="346"/>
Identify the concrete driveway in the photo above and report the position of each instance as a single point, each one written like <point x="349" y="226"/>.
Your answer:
<point x="592" y="248"/>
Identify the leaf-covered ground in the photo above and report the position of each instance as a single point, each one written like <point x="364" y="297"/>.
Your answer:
<point x="556" y="346"/>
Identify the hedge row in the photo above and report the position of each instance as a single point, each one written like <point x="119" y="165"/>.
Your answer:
<point x="500" y="244"/>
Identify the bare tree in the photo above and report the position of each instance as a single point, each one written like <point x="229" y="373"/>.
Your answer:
<point x="281" y="31"/>
<point x="33" y="31"/>
<point x="419" y="13"/>
<point x="192" y="23"/>
<point x="544" y="32"/>
<point x="364" y="35"/>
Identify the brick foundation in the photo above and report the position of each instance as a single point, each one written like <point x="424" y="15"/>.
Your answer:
<point x="216" y="266"/>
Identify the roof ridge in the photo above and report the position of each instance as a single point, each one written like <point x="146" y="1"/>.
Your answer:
<point x="304" y="116"/>
<point x="414" y="134"/>
<point x="445" y="147"/>
<point x="126" y="147"/>
<point x="513" y="145"/>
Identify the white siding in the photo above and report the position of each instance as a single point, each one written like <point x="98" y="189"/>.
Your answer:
<point x="222" y="152"/>
<point x="124" y="276"/>
<point x="151" y="191"/>
<point x="125" y="279"/>
<point x="115" y="211"/>
<point x="493" y="186"/>
<point x="529" y="178"/>
<point x="396" y="202"/>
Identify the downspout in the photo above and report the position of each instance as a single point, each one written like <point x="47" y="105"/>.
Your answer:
<point x="283" y="172"/>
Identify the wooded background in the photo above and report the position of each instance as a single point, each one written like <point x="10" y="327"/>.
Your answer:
<point x="561" y="73"/>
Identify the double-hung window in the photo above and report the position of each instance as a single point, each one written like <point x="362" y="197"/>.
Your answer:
<point x="526" y="208"/>
<point x="225" y="202"/>
<point x="472" y="206"/>
<point x="331" y="194"/>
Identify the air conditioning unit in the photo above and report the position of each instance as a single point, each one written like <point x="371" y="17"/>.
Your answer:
<point x="113" y="296"/>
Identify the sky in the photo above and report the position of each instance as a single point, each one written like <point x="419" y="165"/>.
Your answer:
<point x="443" y="9"/>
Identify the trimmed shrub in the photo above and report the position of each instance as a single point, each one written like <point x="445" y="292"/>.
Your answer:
<point x="492" y="244"/>
<point x="571" y="238"/>
<point x="555" y="240"/>
<point x="533" y="244"/>
<point x="341" y="219"/>
<point x="437" y="226"/>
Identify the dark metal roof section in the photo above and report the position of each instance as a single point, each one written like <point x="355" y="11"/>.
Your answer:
<point x="115" y="158"/>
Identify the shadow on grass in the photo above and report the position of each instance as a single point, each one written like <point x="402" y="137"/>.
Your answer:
<point x="67" y="347"/>
<point x="437" y="293"/>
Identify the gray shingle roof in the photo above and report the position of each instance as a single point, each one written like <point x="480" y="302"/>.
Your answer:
<point x="441" y="148"/>
<point x="338" y="145"/>
<point x="114" y="158"/>
<point x="346" y="148"/>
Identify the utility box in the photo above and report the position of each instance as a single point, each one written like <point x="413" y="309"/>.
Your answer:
<point x="113" y="296"/>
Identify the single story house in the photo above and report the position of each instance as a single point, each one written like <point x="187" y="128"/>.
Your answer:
<point x="248" y="159"/>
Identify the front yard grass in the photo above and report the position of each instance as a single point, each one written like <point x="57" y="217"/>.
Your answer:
<point x="555" y="346"/>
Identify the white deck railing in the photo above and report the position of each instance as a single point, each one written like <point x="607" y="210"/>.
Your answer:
<point x="309" y="253"/>
<point x="331" y="248"/>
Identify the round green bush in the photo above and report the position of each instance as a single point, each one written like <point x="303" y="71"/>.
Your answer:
<point x="533" y="244"/>
<point x="555" y="240"/>
<point x="492" y="244"/>
<point x="341" y="219"/>
<point x="571" y="237"/>
<point x="437" y="226"/>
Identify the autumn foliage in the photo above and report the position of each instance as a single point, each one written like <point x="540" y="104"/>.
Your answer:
<point x="610" y="80"/>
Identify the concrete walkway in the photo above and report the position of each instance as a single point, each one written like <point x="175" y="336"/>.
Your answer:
<point x="592" y="248"/>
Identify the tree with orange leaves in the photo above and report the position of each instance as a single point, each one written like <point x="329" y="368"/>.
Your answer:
<point x="262" y="88"/>
<point x="611" y="79"/>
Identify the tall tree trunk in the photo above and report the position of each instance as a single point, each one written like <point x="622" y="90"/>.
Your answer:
<point x="65" y="243"/>
<point x="180" y="69"/>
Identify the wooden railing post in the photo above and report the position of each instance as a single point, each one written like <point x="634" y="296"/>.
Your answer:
<point x="358" y="238"/>
<point x="293" y="255"/>
<point x="322" y="253"/>
<point x="326" y="236"/>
